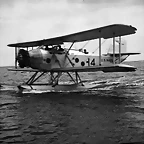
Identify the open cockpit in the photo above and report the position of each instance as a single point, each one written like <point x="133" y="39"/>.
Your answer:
<point x="53" y="49"/>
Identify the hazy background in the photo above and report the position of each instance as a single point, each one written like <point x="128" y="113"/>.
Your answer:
<point x="40" y="19"/>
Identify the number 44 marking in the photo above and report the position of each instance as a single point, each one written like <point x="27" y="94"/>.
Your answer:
<point x="93" y="62"/>
<point x="89" y="62"/>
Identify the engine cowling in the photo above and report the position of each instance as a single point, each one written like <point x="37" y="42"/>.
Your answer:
<point x="23" y="58"/>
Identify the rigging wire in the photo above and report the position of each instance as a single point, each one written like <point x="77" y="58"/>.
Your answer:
<point x="80" y="50"/>
<point x="98" y="46"/>
<point x="84" y="45"/>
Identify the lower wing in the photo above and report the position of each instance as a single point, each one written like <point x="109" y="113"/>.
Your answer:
<point x="113" y="68"/>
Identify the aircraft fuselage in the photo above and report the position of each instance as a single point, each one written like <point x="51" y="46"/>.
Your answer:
<point x="45" y="60"/>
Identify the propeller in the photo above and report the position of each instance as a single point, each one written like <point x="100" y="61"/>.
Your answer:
<point x="23" y="58"/>
<point x="19" y="39"/>
<point x="16" y="56"/>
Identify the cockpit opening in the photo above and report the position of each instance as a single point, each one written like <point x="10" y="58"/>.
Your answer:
<point x="50" y="47"/>
<point x="53" y="48"/>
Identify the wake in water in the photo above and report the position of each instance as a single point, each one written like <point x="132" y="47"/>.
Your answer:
<point x="8" y="88"/>
<point x="108" y="84"/>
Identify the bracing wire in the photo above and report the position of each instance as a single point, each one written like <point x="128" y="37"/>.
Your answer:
<point x="80" y="50"/>
<point x="84" y="45"/>
<point x="98" y="47"/>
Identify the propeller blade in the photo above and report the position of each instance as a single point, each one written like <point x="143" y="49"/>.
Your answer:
<point x="16" y="57"/>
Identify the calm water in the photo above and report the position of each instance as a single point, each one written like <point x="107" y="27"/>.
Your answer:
<point x="111" y="113"/>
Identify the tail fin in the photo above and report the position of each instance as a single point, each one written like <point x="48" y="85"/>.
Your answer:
<point x="123" y="46"/>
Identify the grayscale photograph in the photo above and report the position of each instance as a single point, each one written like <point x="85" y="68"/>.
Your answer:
<point x="72" y="71"/>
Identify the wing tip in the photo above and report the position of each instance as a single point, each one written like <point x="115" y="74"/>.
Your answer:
<point x="9" y="45"/>
<point x="12" y="45"/>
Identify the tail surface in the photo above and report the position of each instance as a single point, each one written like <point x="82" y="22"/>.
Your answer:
<point x="123" y="47"/>
<point x="124" y="54"/>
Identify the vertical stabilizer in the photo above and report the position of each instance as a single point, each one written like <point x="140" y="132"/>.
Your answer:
<point x="123" y="46"/>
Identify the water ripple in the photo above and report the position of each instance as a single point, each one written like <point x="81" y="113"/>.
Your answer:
<point x="112" y="112"/>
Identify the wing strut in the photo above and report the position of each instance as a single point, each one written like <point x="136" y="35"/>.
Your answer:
<point x="66" y="55"/>
<point x="100" y="51"/>
<point x="70" y="47"/>
<point x="119" y="49"/>
<point x="114" y="49"/>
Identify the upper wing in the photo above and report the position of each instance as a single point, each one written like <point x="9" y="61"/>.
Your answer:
<point x="102" y="32"/>
<point x="52" y="41"/>
<point x="113" y="68"/>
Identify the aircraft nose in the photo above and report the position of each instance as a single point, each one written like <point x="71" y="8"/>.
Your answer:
<point x="35" y="53"/>
<point x="23" y="58"/>
<point x="35" y="58"/>
<point x="30" y="58"/>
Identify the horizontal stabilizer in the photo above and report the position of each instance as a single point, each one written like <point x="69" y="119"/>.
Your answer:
<point x="117" y="54"/>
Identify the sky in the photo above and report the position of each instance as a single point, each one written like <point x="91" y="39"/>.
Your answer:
<point x="27" y="20"/>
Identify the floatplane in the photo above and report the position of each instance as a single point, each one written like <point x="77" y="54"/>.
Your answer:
<point x="47" y="56"/>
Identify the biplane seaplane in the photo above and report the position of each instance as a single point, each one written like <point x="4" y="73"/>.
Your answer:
<point x="49" y="57"/>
